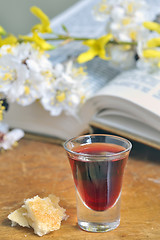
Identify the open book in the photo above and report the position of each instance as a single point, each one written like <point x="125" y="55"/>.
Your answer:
<point x="129" y="105"/>
<point x="126" y="103"/>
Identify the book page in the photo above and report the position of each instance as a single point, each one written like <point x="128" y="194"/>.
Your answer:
<point x="127" y="126"/>
<point x="138" y="87"/>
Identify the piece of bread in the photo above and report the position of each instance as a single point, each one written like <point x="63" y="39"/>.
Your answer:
<point x="42" y="214"/>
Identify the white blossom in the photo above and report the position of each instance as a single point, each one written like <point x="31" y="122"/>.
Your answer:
<point x="66" y="92"/>
<point x="102" y="10"/>
<point x="126" y="20"/>
<point x="23" y="73"/>
<point x="27" y="75"/>
<point x="121" y="57"/>
<point x="9" y="138"/>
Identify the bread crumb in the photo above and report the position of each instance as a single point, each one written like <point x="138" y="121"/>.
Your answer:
<point x="42" y="214"/>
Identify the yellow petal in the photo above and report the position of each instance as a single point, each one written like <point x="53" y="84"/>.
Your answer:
<point x="26" y="38"/>
<point x="2" y="108"/>
<point x="150" y="53"/>
<point x="154" y="42"/>
<point x="102" y="54"/>
<point x="100" y="41"/>
<point x="41" y="28"/>
<point x="105" y="39"/>
<point x="89" y="42"/>
<point x="97" y="48"/>
<point x="86" y="56"/>
<point x="153" y="26"/>
<point x="10" y="40"/>
<point x="40" y="42"/>
<point x="44" y="27"/>
<point x="2" y="31"/>
<point x="40" y="14"/>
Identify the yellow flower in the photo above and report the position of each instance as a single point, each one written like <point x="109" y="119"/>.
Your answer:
<point x="44" y="26"/>
<point x="2" y="31"/>
<point x="39" y="42"/>
<point x="153" y="26"/>
<point x="97" y="48"/>
<point x="10" y="40"/>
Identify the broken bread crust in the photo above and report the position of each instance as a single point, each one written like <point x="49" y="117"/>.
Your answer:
<point x="42" y="214"/>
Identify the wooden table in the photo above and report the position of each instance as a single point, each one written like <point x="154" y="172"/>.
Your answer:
<point x="37" y="167"/>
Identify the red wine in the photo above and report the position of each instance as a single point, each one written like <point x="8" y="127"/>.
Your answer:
<point x="98" y="182"/>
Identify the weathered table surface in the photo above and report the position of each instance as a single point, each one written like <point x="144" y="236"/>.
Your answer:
<point x="36" y="167"/>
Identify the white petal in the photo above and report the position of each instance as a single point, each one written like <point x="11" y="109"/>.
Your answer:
<point x="11" y="137"/>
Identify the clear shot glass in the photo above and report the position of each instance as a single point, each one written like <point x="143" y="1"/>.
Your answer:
<point x="98" y="162"/>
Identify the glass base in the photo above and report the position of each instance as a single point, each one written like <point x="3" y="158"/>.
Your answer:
<point x="98" y="221"/>
<point x="98" y="227"/>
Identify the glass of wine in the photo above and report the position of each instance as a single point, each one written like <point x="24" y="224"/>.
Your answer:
<point x="97" y="162"/>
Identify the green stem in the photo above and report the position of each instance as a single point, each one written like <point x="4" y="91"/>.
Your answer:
<point x="64" y="37"/>
<point x="123" y="43"/>
<point x="70" y="38"/>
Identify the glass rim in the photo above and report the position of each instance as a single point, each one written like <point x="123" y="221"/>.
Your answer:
<point x="96" y="155"/>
